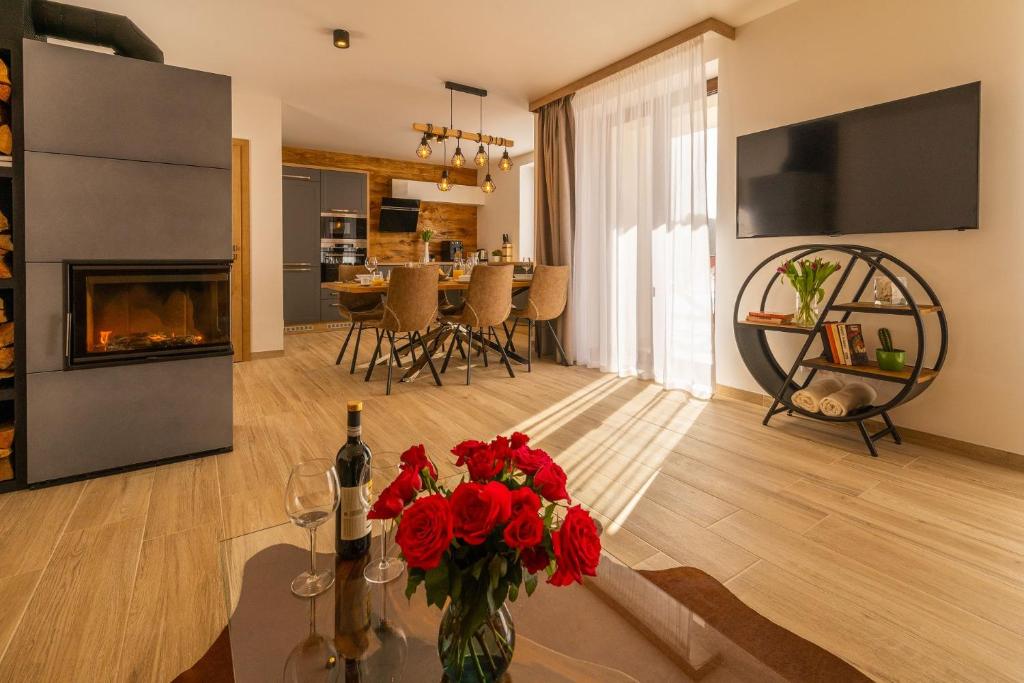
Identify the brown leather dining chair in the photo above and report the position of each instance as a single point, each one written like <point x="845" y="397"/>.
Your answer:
<point x="358" y="310"/>
<point x="410" y="307"/>
<point x="487" y="303"/>
<point x="545" y="301"/>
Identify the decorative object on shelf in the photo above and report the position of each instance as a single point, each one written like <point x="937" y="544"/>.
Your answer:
<point x="478" y="545"/>
<point x="889" y="358"/>
<point x="425" y="237"/>
<point x="851" y="398"/>
<point x="482" y="157"/>
<point x="809" y="398"/>
<point x="505" y="163"/>
<point x="843" y="343"/>
<point x="886" y="293"/>
<point x="780" y="381"/>
<point x="341" y="39"/>
<point x="766" y="318"/>
<point x="807" y="276"/>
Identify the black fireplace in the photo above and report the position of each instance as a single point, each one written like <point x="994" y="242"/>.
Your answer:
<point x="136" y="312"/>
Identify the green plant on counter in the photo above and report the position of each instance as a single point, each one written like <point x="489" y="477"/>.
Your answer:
<point x="496" y="252"/>
<point x="885" y="337"/>
<point x="426" y="235"/>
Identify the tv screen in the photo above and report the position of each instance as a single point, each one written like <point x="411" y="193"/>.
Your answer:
<point x="906" y="165"/>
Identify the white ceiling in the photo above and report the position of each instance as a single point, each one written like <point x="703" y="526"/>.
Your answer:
<point x="363" y="100"/>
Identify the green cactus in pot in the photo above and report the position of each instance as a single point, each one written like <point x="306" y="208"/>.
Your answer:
<point x="889" y="357"/>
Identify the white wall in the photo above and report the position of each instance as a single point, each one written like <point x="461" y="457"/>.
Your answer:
<point x="256" y="117"/>
<point x="818" y="57"/>
<point x="501" y="212"/>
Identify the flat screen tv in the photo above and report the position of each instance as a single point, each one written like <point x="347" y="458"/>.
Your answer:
<point x="906" y="165"/>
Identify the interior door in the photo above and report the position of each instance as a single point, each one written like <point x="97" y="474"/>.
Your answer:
<point x="301" y="247"/>
<point x="240" y="249"/>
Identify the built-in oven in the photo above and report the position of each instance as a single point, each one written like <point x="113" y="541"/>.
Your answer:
<point x="342" y="225"/>
<point x="340" y="252"/>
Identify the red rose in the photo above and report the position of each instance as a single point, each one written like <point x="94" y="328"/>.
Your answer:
<point x="577" y="548"/>
<point x="425" y="532"/>
<point x="550" y="482"/>
<point x="519" y="440"/>
<point x="416" y="459"/>
<point x="387" y="506"/>
<point x="478" y="508"/>
<point x="525" y="500"/>
<point x="524" y="531"/>
<point x="407" y="484"/>
<point x="465" y="449"/>
<point x="529" y="460"/>
<point x="484" y="461"/>
<point x="535" y="559"/>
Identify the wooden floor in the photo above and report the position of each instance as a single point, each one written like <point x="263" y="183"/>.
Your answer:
<point x="910" y="566"/>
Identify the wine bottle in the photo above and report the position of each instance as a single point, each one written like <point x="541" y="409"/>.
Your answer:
<point x="353" y="463"/>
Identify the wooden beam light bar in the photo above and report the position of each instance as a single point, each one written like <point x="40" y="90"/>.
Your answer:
<point x="445" y="132"/>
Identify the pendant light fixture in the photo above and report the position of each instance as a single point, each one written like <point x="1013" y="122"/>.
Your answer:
<point x="423" y="151"/>
<point x="505" y="164"/>
<point x="488" y="186"/>
<point x="445" y="183"/>
<point x="481" y="156"/>
<point x="458" y="159"/>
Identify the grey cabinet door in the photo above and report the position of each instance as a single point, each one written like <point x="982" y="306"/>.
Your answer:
<point x="343" y="191"/>
<point x="301" y="248"/>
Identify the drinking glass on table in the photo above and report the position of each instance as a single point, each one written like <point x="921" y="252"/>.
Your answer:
<point x="385" y="569"/>
<point x="311" y="498"/>
<point x="458" y="268"/>
<point x="371" y="265"/>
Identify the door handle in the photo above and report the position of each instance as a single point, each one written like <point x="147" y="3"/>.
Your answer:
<point x="295" y="177"/>
<point x="286" y="265"/>
<point x="67" y="337"/>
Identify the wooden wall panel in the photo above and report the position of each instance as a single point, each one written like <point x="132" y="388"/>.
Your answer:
<point x="448" y="221"/>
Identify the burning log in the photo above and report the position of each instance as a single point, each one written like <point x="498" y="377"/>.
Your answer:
<point x="6" y="357"/>
<point x="6" y="334"/>
<point x="6" y="243"/>
<point x="6" y="435"/>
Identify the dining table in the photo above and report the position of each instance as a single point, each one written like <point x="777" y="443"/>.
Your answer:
<point x="437" y="337"/>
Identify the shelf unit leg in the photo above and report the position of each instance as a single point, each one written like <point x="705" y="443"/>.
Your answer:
<point x="892" y="429"/>
<point x="868" y="438"/>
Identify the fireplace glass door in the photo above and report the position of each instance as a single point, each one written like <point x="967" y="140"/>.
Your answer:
<point x="137" y="312"/>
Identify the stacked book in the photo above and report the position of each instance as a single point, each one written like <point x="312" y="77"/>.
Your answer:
<point x="844" y="344"/>
<point x="765" y="318"/>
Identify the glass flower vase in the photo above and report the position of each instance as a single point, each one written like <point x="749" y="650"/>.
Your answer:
<point x="480" y="655"/>
<point x="806" y="309"/>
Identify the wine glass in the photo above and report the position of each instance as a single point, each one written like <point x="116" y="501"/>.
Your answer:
<point x="371" y="264"/>
<point x="385" y="569"/>
<point x="315" y="659"/>
<point x="311" y="497"/>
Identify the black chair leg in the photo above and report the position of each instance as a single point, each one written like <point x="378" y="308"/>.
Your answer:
<point x="469" y="354"/>
<point x="412" y="348"/>
<point x="529" y="345"/>
<point x="558" y="343"/>
<point x="341" y="354"/>
<point x="375" y="356"/>
<point x="510" y="344"/>
<point x="392" y="354"/>
<point x="430" y="360"/>
<point x="451" y="347"/>
<point x="504" y="356"/>
<point x="483" y="345"/>
<point x="355" y="351"/>
<point x="458" y="346"/>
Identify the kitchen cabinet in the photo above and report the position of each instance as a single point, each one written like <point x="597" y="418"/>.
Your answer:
<point x="343" y="191"/>
<point x="301" y="244"/>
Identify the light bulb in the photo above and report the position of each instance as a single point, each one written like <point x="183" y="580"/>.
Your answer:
<point x="488" y="186"/>
<point x="481" y="157"/>
<point x="458" y="160"/>
<point x="446" y="183"/>
<point x="423" y="151"/>
<point x="505" y="164"/>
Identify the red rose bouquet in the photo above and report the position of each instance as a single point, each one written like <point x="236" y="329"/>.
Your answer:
<point x="486" y="540"/>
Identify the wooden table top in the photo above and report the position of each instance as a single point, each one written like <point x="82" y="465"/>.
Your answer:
<point x="443" y="285"/>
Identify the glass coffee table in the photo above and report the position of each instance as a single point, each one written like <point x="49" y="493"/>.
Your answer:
<point x="670" y="625"/>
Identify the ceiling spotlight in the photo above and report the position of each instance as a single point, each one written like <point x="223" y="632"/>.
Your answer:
<point x="488" y="185"/>
<point x="446" y="183"/>
<point x="505" y="164"/>
<point x="481" y="157"/>
<point x="341" y="38"/>
<point x="423" y="151"/>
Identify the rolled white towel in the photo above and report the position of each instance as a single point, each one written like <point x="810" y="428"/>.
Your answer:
<point x="809" y="398"/>
<point x="848" y="399"/>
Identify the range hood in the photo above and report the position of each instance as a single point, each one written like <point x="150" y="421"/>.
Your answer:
<point x="398" y="214"/>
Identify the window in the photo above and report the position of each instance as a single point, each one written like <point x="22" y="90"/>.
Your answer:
<point x="526" y="246"/>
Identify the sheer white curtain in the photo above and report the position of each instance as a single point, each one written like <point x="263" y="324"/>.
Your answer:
<point x="642" y="281"/>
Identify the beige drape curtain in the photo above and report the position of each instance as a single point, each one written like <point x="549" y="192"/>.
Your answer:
<point x="554" y="203"/>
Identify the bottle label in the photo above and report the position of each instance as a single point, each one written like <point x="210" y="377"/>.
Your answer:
<point x="355" y="503"/>
<point x="356" y="430"/>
